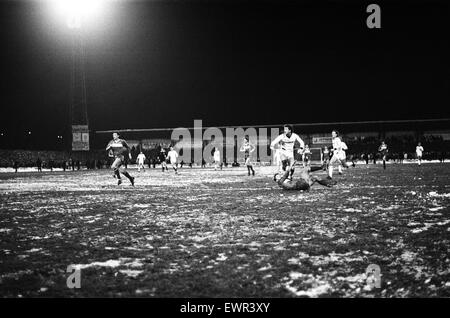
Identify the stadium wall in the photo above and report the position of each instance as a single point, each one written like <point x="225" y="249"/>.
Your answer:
<point x="361" y="137"/>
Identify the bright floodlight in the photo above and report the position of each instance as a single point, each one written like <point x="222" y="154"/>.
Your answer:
<point x="77" y="11"/>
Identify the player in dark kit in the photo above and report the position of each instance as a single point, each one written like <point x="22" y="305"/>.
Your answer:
<point x="119" y="149"/>
<point x="163" y="159"/>
<point x="305" y="181"/>
<point x="383" y="149"/>
<point x="248" y="148"/>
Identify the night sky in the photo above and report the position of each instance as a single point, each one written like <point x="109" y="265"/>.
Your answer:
<point x="156" y="64"/>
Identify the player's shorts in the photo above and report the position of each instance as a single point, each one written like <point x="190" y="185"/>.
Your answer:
<point x="173" y="162"/>
<point x="335" y="159"/>
<point x="300" y="185"/>
<point x="140" y="162"/>
<point x="327" y="182"/>
<point x="286" y="155"/>
<point x="120" y="159"/>
<point x="419" y="157"/>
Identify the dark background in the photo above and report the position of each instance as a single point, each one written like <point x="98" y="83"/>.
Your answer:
<point x="156" y="64"/>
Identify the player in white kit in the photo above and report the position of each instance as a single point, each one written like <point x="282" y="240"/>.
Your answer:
<point x="419" y="152"/>
<point x="140" y="161"/>
<point x="173" y="156"/>
<point x="337" y="153"/>
<point x="286" y="142"/>
<point x="343" y="157"/>
<point x="306" y="156"/>
<point x="217" y="161"/>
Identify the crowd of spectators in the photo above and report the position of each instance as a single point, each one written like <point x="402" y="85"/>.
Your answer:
<point x="400" y="148"/>
<point x="360" y="149"/>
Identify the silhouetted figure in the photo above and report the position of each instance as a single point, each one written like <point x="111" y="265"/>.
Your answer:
<point x="352" y="159"/>
<point x="383" y="149"/>
<point x="78" y="164"/>
<point x="51" y="164"/>
<point x="16" y="166"/>
<point x="203" y="163"/>
<point x="39" y="164"/>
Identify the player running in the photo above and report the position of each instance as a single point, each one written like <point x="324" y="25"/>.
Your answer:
<point x="248" y="148"/>
<point x="338" y="146"/>
<point x="119" y="148"/>
<point x="140" y="160"/>
<point x="325" y="158"/>
<point x="343" y="157"/>
<point x="419" y="152"/>
<point x="305" y="182"/>
<point x="306" y="156"/>
<point x="286" y="150"/>
<point x="162" y="158"/>
<point x="173" y="156"/>
<point x="383" y="149"/>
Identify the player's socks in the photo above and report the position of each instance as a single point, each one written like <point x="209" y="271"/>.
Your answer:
<point x="253" y="171"/>
<point x="126" y="174"/>
<point x="119" y="182"/>
<point x="132" y="181"/>
<point x="312" y="168"/>
<point x="326" y="182"/>
<point x="117" y="173"/>
<point x="291" y="173"/>
<point x="283" y="178"/>
<point x="330" y="171"/>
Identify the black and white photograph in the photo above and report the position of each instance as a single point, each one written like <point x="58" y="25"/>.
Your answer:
<point x="225" y="149"/>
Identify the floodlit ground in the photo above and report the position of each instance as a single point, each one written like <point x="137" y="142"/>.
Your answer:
<point x="224" y="234"/>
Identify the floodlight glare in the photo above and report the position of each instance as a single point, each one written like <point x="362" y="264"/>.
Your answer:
<point x="76" y="11"/>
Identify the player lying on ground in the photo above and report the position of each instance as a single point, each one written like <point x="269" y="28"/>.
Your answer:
<point x="305" y="179"/>
<point x="119" y="148"/>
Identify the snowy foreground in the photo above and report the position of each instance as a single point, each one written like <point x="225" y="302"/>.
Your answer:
<point x="224" y="234"/>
